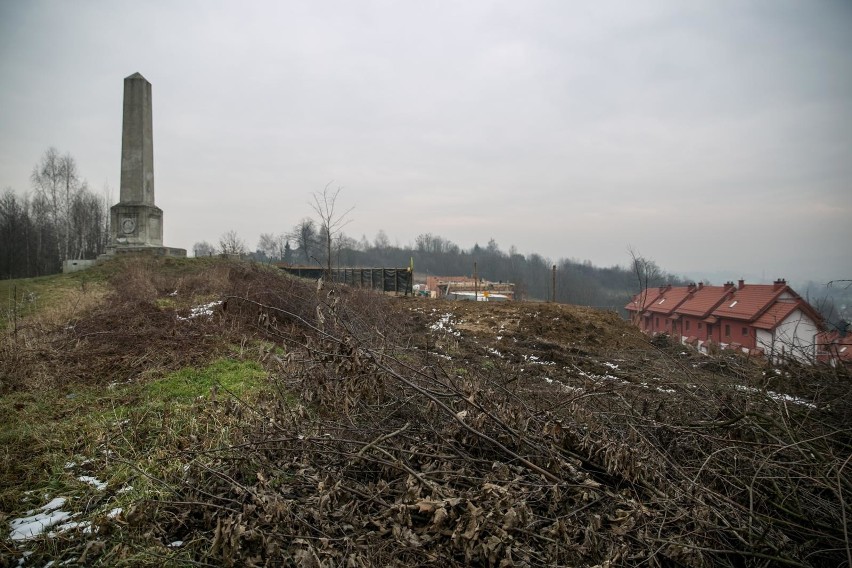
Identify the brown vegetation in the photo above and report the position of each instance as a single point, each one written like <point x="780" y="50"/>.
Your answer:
<point x="414" y="432"/>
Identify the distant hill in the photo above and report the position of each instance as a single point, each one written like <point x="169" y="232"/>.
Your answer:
<point x="577" y="282"/>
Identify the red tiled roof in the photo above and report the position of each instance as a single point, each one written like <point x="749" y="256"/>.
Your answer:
<point x="651" y="294"/>
<point x="702" y="301"/>
<point x="777" y="313"/>
<point x="749" y="301"/>
<point x="669" y="300"/>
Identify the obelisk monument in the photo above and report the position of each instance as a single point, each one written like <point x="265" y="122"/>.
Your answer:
<point x="136" y="222"/>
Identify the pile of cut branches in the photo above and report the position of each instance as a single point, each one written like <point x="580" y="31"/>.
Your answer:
<point x="400" y="432"/>
<point x="395" y="455"/>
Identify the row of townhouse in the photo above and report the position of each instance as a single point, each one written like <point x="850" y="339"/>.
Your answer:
<point x="768" y="320"/>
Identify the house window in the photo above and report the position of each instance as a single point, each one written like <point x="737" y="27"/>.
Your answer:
<point x="687" y="325"/>
<point x="745" y="331"/>
<point x="727" y="330"/>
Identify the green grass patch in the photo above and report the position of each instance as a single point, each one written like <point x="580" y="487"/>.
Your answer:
<point x="41" y="432"/>
<point x="187" y="384"/>
<point x="138" y="437"/>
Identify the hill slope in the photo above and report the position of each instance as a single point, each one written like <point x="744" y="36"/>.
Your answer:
<point x="221" y="413"/>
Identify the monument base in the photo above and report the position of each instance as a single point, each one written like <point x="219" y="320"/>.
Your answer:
<point x="136" y="225"/>
<point x="121" y="251"/>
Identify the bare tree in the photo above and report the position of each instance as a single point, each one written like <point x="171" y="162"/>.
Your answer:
<point x="203" y="248"/>
<point x="305" y="235"/>
<point x="646" y="273"/>
<point x="268" y="245"/>
<point x="332" y="221"/>
<point x="231" y="243"/>
<point x="382" y="241"/>
<point x="47" y="182"/>
<point x="70" y="188"/>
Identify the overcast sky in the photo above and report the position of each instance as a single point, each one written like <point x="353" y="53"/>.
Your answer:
<point x="714" y="137"/>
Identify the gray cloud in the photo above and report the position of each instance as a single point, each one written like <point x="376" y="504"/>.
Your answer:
<point x="709" y="136"/>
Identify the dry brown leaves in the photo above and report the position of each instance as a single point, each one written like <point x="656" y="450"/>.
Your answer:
<point x="535" y="436"/>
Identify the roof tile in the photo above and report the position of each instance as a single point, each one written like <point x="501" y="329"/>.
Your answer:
<point x="703" y="301"/>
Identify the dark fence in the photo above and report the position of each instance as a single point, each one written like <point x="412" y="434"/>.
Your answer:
<point x="399" y="280"/>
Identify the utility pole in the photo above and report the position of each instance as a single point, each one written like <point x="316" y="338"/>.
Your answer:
<point x="475" y="284"/>
<point x="553" y="286"/>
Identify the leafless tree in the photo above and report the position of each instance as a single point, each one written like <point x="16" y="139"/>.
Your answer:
<point x="304" y="234"/>
<point x="332" y="220"/>
<point x="47" y="182"/>
<point x="70" y="187"/>
<point x="231" y="243"/>
<point x="382" y="242"/>
<point x="203" y="248"/>
<point x="647" y="273"/>
<point x="268" y="245"/>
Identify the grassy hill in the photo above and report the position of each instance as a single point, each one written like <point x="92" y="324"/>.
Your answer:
<point x="209" y="412"/>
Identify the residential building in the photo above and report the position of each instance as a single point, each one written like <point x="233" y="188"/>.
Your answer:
<point x="758" y="319"/>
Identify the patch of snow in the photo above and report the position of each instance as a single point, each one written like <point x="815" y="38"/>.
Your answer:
<point x="563" y="386"/>
<point x="125" y="489"/>
<point x="85" y="526"/>
<point x="93" y="481"/>
<point x="443" y="324"/>
<point x="612" y="366"/>
<point x="494" y="352"/>
<point x="176" y="544"/>
<point x="203" y="310"/>
<point x="37" y="522"/>
<point x="114" y="513"/>
<point x="777" y="396"/>
<point x="534" y="360"/>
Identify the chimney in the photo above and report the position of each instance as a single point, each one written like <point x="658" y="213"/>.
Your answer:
<point x="778" y="284"/>
<point x="729" y="285"/>
<point x="691" y="287"/>
<point x="700" y="285"/>
<point x="740" y="284"/>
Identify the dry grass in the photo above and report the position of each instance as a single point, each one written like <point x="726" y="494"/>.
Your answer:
<point x="308" y="427"/>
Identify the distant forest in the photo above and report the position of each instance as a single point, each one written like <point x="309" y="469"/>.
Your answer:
<point x="577" y="282"/>
<point x="61" y="220"/>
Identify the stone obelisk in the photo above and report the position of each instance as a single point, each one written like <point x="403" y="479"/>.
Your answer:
<point x="136" y="222"/>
